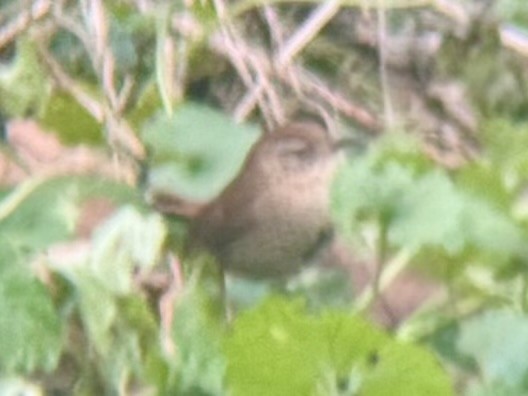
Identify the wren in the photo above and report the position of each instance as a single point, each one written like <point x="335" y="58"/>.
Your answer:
<point x="274" y="216"/>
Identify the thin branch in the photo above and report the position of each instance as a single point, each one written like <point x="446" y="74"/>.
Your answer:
<point x="235" y="50"/>
<point x="274" y="24"/>
<point x="388" y="113"/>
<point x="453" y="10"/>
<point x="249" y="69"/>
<point x="393" y="268"/>
<point x="118" y="129"/>
<point x="514" y="39"/>
<point x="303" y="82"/>
<point x="14" y="199"/>
<point x="70" y="85"/>
<point x="11" y="30"/>
<point x="338" y="101"/>
<point x="309" y="29"/>
<point x="244" y="6"/>
<point x="125" y="93"/>
<point x="73" y="27"/>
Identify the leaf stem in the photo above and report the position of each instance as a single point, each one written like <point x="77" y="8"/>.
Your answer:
<point x="10" y="203"/>
<point x="381" y="254"/>
<point x="386" y="271"/>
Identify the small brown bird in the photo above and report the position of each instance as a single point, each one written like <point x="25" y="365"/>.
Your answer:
<point x="274" y="216"/>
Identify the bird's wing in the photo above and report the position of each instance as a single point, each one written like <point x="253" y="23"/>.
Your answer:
<point x="231" y="216"/>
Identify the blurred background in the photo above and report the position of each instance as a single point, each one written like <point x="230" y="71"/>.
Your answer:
<point x="104" y="104"/>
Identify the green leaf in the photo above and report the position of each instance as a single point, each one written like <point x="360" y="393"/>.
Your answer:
<point x="429" y="214"/>
<point x="423" y="208"/>
<point x="64" y="116"/>
<point x="275" y="350"/>
<point x="486" y="179"/>
<point x="362" y="192"/>
<point x="148" y="103"/>
<point x="39" y="212"/>
<point x="352" y="341"/>
<point x="30" y="330"/>
<point x="23" y="84"/>
<point x="34" y="216"/>
<point x="506" y="142"/>
<point x="498" y="341"/>
<point x="126" y="243"/>
<point x="406" y="369"/>
<point x="490" y="230"/>
<point x="197" y="334"/>
<point x="98" y="309"/>
<point x="197" y="151"/>
<point x="279" y="349"/>
<point x="123" y="334"/>
<point x="135" y="341"/>
<point x="118" y="321"/>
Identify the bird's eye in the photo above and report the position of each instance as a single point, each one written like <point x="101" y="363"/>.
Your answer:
<point x="294" y="151"/>
<point x="293" y="146"/>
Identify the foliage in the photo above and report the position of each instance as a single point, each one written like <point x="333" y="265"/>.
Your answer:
<point x="84" y="313"/>
<point x="23" y="84"/>
<point x="278" y="349"/>
<point x="182" y="154"/>
<point x="465" y="222"/>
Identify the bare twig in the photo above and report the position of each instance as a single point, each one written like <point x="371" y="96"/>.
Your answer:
<point x="309" y="29"/>
<point x="274" y="24"/>
<point x="242" y="7"/>
<point x="452" y="9"/>
<point x="72" y="26"/>
<point x="304" y="81"/>
<point x="392" y="269"/>
<point x="11" y="30"/>
<point x="315" y="22"/>
<point x="514" y="39"/>
<point x="125" y="93"/>
<point x="250" y="70"/>
<point x="246" y="105"/>
<point x="338" y="101"/>
<point x="388" y="114"/>
<point x="69" y="84"/>
<point x="119" y="130"/>
<point x="167" y="303"/>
